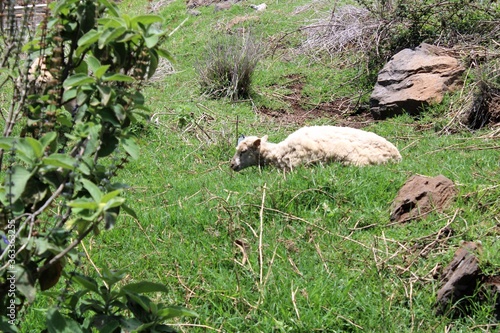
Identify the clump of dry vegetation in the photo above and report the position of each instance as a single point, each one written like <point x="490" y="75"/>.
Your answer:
<point x="345" y="28"/>
<point x="227" y="66"/>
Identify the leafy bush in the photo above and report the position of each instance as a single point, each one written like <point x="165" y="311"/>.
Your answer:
<point x="228" y="65"/>
<point x="378" y="29"/>
<point x="67" y="132"/>
<point x="408" y="23"/>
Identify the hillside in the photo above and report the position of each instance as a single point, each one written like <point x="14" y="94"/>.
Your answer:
<point x="314" y="249"/>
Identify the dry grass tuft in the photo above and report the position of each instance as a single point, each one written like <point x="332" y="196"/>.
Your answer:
<point x="346" y="28"/>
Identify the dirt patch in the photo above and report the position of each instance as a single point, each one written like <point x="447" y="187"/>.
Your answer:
<point x="343" y="111"/>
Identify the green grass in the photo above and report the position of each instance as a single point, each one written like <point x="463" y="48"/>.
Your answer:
<point x="312" y="250"/>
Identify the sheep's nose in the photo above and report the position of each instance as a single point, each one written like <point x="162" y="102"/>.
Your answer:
<point x="234" y="166"/>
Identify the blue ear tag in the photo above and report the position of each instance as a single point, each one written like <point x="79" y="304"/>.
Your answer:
<point x="241" y="138"/>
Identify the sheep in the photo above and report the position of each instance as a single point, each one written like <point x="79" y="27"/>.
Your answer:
<point x="315" y="144"/>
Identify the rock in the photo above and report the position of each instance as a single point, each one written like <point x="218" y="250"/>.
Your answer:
<point x="420" y="195"/>
<point x="492" y="290"/>
<point x="194" y="12"/>
<point x="460" y="278"/>
<point x="222" y="6"/>
<point x="463" y="284"/>
<point x="414" y="78"/>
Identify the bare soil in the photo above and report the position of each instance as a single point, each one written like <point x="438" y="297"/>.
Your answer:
<point x="342" y="111"/>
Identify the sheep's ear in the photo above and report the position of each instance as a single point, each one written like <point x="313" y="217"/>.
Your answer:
<point x="241" y="138"/>
<point x="256" y="143"/>
<point x="264" y="138"/>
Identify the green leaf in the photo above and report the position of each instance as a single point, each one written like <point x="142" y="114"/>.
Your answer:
<point x="65" y="162"/>
<point x="69" y="94"/>
<point x="101" y="71"/>
<point x="130" y="147"/>
<point x="36" y="147"/>
<point x="106" y="93"/>
<point x="175" y="311"/>
<point x="108" y="146"/>
<point x="89" y="38"/>
<point x="86" y="282"/>
<point x="128" y="36"/>
<point x="165" y="54"/>
<point x="81" y="224"/>
<point x="112" y="277"/>
<point x="57" y="323"/>
<point x="153" y="63"/>
<point x="25" y="282"/>
<point x="111" y="7"/>
<point x="152" y="40"/>
<point x="47" y="139"/>
<point x="140" y="306"/>
<point x="115" y="202"/>
<point x="112" y="22"/>
<point x="83" y="204"/>
<point x="77" y="80"/>
<point x="14" y="185"/>
<point x="146" y="19"/>
<point x="61" y="161"/>
<point x="129" y="211"/>
<point x="93" y="63"/>
<point x="109" y="220"/>
<point x="28" y="149"/>
<point x="117" y="77"/>
<point x="109" y="35"/>
<point x="110" y="195"/>
<point x="93" y="189"/>
<point x="145" y="287"/>
<point x="6" y="143"/>
<point x="119" y="112"/>
<point x="5" y="326"/>
<point x="107" y="324"/>
<point x="43" y="245"/>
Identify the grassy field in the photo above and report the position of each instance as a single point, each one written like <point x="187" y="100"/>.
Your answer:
<point x="312" y="250"/>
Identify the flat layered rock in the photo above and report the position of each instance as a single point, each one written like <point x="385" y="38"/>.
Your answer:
<point x="414" y="78"/>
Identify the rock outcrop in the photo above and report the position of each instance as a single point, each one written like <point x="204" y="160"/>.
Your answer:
<point x="463" y="283"/>
<point x="414" y="78"/>
<point x="420" y="195"/>
<point x="460" y="277"/>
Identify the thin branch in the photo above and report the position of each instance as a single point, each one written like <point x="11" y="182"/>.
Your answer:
<point x="66" y="250"/>
<point x="261" y="231"/>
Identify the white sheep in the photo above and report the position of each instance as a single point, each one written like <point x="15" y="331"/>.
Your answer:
<point x="315" y="144"/>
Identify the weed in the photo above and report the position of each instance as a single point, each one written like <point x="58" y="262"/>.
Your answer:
<point x="227" y="67"/>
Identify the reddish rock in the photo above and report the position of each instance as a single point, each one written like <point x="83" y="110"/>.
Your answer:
<point x="460" y="278"/>
<point x="414" y="78"/>
<point x="463" y="284"/>
<point x="420" y="195"/>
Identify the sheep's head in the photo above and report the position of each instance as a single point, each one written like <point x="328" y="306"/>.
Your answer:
<point x="247" y="153"/>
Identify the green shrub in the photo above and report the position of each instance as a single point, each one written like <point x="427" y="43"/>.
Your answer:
<point x="228" y="65"/>
<point x="67" y="132"/>
<point x="407" y="23"/>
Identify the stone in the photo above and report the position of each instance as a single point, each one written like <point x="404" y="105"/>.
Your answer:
<point x="463" y="284"/>
<point x="460" y="278"/>
<point x="413" y="79"/>
<point x="420" y="195"/>
<point x="492" y="290"/>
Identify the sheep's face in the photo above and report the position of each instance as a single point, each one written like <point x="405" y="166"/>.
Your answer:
<point x="247" y="153"/>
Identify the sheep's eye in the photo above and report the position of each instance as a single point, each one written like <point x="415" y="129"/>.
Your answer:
<point x="243" y="151"/>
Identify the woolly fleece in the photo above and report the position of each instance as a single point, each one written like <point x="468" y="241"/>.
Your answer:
<point x="316" y="144"/>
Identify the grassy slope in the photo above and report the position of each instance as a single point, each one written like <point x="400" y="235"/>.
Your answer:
<point x="331" y="259"/>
